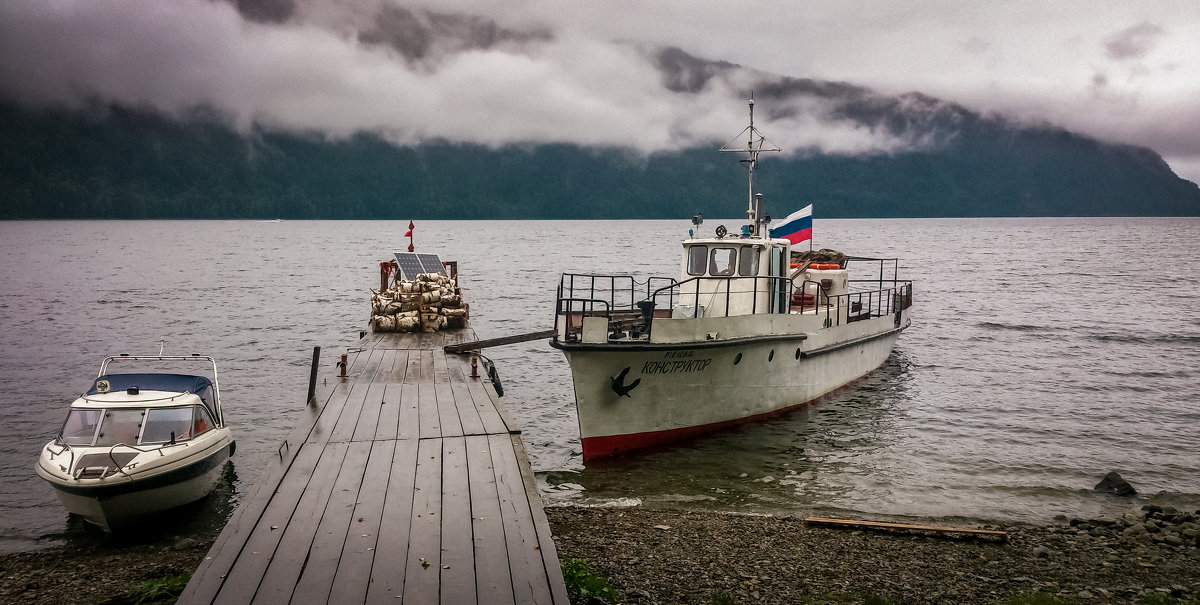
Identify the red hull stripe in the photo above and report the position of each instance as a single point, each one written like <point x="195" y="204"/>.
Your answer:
<point x="608" y="445"/>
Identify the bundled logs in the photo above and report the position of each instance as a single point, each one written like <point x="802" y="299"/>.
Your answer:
<point x="427" y="304"/>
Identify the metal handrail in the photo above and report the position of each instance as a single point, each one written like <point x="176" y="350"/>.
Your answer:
<point x="212" y="362"/>
<point x="892" y="294"/>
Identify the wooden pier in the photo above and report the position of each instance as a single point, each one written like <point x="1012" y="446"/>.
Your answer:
<point x="406" y="482"/>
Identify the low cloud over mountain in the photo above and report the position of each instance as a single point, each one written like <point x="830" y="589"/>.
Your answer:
<point x="645" y="77"/>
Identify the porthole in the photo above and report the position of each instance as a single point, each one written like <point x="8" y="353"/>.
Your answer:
<point x="737" y="359"/>
<point x="797" y="353"/>
<point x="771" y="356"/>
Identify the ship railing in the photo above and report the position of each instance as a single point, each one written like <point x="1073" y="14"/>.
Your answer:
<point x="613" y="297"/>
<point x="629" y="304"/>
<point x="855" y="306"/>
<point x="887" y="274"/>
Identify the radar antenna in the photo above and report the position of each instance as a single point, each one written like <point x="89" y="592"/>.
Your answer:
<point x="755" y="144"/>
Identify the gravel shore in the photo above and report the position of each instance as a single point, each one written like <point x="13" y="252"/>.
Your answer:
<point x="670" y="556"/>
<point x="676" y="556"/>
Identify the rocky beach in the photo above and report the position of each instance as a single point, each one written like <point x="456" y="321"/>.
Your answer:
<point x="687" y="556"/>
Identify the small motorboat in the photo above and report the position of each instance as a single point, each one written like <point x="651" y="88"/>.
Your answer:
<point x="139" y="443"/>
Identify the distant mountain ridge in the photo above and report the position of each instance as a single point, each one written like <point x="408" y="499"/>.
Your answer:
<point x="117" y="162"/>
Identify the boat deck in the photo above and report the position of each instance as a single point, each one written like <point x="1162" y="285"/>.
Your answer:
<point x="405" y="482"/>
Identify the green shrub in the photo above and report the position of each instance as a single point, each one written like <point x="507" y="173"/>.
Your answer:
<point x="585" y="587"/>
<point x="154" y="589"/>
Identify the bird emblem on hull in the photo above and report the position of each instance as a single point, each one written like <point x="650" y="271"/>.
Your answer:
<point x="618" y="383"/>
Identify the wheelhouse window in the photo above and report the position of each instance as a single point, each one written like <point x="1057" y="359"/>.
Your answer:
<point x="721" y="261"/>
<point x="748" y="263"/>
<point x="697" y="260"/>
<point x="80" y="427"/>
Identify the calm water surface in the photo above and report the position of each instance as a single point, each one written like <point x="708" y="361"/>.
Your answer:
<point x="1043" y="354"/>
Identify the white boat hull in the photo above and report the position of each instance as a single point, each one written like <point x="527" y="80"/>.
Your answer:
<point x="180" y="478"/>
<point x="676" y="390"/>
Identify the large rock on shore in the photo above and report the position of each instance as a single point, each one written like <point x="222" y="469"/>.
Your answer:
<point x="1113" y="483"/>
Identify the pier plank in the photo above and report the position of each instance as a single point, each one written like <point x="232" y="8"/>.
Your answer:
<point x="493" y="420"/>
<point x="325" y="553"/>
<point x="527" y="569"/>
<point x="423" y="566"/>
<point x="458" y="548"/>
<point x="468" y="413"/>
<point x="430" y="415"/>
<point x="391" y="550"/>
<point x="549" y="553"/>
<point x="387" y="425"/>
<point x="364" y="377"/>
<point x="448" y="417"/>
<point x="246" y="577"/>
<point x="368" y="417"/>
<point x="492" y="575"/>
<point x="354" y="568"/>
<point x="408" y="426"/>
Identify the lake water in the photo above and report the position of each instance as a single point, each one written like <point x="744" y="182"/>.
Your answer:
<point x="1043" y="354"/>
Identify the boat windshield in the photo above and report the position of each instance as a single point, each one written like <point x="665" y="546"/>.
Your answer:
<point x="120" y="426"/>
<point x="167" y="424"/>
<point x="110" y="427"/>
<point x="80" y="428"/>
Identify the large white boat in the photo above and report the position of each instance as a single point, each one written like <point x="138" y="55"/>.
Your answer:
<point x="751" y="328"/>
<point x="139" y="443"/>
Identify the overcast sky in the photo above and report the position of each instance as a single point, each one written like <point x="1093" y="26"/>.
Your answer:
<point x="494" y="72"/>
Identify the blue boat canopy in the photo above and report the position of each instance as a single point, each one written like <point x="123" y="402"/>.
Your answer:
<point x="171" y="383"/>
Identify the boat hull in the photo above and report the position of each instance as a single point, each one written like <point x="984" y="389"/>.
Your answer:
<point x="118" y="499"/>
<point x="630" y="396"/>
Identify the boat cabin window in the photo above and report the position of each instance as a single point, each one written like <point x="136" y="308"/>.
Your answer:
<point x="202" y="422"/>
<point x="748" y="263"/>
<point x="120" y="426"/>
<point x="161" y="423"/>
<point x="721" y="261"/>
<point x="80" y="428"/>
<point x="697" y="260"/>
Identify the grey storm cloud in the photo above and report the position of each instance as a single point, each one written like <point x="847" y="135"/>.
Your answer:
<point x="1134" y="42"/>
<point x="832" y="77"/>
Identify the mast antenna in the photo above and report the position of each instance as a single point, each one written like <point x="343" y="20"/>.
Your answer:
<point x="756" y="143"/>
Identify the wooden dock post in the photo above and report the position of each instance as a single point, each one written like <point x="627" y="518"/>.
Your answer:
<point x="312" y="376"/>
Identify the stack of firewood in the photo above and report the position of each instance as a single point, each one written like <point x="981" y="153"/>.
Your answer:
<point x="430" y="303"/>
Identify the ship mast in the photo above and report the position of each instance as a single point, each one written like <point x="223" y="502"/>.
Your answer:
<point x="756" y="143"/>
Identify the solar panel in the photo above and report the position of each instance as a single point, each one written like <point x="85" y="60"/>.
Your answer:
<point x="412" y="264"/>
<point x="432" y="263"/>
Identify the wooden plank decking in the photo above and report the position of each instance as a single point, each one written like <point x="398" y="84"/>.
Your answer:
<point x="405" y="482"/>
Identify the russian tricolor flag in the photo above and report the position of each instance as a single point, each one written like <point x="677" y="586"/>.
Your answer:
<point x="797" y="227"/>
